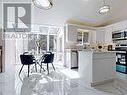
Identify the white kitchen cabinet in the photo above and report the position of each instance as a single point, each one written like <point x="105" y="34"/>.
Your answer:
<point x="108" y="34"/>
<point x="119" y="26"/>
<point x="96" y="67"/>
<point x="71" y="33"/>
<point x="92" y="36"/>
<point x="104" y="35"/>
<point x="112" y="28"/>
<point x="83" y="36"/>
<point x="100" y="36"/>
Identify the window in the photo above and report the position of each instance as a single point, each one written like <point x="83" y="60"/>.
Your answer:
<point x="43" y="42"/>
<point x="52" y="43"/>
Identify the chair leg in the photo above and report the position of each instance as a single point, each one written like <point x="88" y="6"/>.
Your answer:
<point x="36" y="67"/>
<point x="40" y="67"/>
<point x="48" y="68"/>
<point x="28" y="70"/>
<point x="53" y="66"/>
<point x="43" y="69"/>
<point x="21" y="69"/>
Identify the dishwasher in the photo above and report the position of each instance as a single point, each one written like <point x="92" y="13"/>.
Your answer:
<point x="74" y="59"/>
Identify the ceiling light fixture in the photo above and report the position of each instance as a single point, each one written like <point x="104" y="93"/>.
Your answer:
<point x="104" y="9"/>
<point x="43" y="4"/>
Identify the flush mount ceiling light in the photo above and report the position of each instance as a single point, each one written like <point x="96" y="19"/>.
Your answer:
<point x="43" y="4"/>
<point x="104" y="9"/>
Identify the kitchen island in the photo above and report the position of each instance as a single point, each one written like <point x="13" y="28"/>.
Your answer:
<point x="96" y="67"/>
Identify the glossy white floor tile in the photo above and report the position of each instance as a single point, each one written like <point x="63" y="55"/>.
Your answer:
<point x="60" y="82"/>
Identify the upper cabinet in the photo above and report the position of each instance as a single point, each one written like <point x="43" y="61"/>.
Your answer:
<point x="119" y="26"/>
<point x="75" y="34"/>
<point x="108" y="34"/>
<point x="79" y="34"/>
<point x="71" y="33"/>
<point x="115" y="31"/>
<point x="83" y="36"/>
<point x="100" y="36"/>
<point x="104" y="35"/>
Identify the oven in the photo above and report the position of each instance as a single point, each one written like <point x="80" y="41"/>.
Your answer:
<point x="120" y="38"/>
<point x="121" y="61"/>
<point x="121" y="57"/>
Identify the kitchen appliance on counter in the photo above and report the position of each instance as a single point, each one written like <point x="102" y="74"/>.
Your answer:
<point x="110" y="47"/>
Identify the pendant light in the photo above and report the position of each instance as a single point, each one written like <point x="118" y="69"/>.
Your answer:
<point x="104" y="9"/>
<point x="43" y="4"/>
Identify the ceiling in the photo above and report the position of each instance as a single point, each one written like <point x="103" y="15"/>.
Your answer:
<point x="79" y="11"/>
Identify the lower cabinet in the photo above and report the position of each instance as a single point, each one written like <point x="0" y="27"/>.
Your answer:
<point x="96" y="68"/>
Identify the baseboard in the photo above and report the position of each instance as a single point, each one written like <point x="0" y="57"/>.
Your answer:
<point x="102" y="82"/>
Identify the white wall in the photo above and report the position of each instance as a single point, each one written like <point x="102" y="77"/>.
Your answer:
<point x="60" y="45"/>
<point x="0" y="36"/>
<point x="9" y="54"/>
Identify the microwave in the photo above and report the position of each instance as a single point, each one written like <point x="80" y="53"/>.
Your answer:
<point x="118" y="35"/>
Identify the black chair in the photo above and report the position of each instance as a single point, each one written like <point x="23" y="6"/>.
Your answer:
<point x="48" y="58"/>
<point x="27" y="60"/>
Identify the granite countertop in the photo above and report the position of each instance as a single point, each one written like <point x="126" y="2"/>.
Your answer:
<point x="92" y="50"/>
<point x="97" y="51"/>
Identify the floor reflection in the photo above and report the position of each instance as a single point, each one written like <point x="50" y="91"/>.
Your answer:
<point x="63" y="81"/>
<point x="29" y="83"/>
